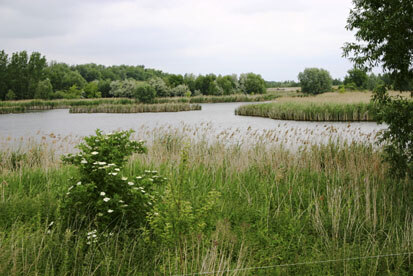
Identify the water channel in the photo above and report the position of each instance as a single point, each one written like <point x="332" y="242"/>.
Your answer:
<point x="214" y="121"/>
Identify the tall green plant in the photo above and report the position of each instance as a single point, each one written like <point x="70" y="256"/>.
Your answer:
<point x="101" y="196"/>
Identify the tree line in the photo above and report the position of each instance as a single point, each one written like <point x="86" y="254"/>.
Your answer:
<point x="24" y="76"/>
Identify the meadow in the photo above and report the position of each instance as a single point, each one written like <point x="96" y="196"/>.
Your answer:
<point x="267" y="207"/>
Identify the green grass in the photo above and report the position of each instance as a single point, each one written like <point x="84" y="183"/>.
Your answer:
<point x="136" y="108"/>
<point x="308" y="111"/>
<point x="276" y="207"/>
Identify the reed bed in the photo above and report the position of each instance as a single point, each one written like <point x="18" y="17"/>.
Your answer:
<point x="220" y="99"/>
<point x="300" y="111"/>
<point x="136" y="108"/>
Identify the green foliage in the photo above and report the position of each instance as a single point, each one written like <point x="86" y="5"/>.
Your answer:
<point x="174" y="218"/>
<point x="315" y="81"/>
<point x="100" y="195"/>
<point x="145" y="93"/>
<point x="91" y="90"/>
<point x="397" y="113"/>
<point x="44" y="90"/>
<point x="124" y="88"/>
<point x="10" y="95"/>
<point x="358" y="77"/>
<point x="180" y="91"/>
<point x="384" y="37"/>
<point x="251" y="83"/>
<point x="162" y="90"/>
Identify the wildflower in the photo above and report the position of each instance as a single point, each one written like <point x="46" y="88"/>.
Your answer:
<point x="102" y="193"/>
<point x="106" y="199"/>
<point x="146" y="171"/>
<point x="78" y="183"/>
<point x="131" y="183"/>
<point x="154" y="171"/>
<point x="110" y="211"/>
<point x="94" y="152"/>
<point x="124" y="205"/>
<point x="67" y="193"/>
<point x="156" y="214"/>
<point x="100" y="214"/>
<point x="117" y="169"/>
<point x="121" y="201"/>
<point x="124" y="178"/>
<point x="83" y="161"/>
<point x="102" y="163"/>
<point x="51" y="224"/>
<point x="71" y="187"/>
<point x="139" y="177"/>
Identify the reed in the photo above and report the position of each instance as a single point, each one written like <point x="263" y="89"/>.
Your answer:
<point x="136" y="108"/>
<point x="220" y="99"/>
<point x="301" y="111"/>
<point x="277" y="206"/>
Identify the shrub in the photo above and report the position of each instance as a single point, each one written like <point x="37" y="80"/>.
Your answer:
<point x="10" y="95"/>
<point x="315" y="81"/>
<point x="101" y="196"/>
<point x="252" y="84"/>
<point x="145" y="93"/>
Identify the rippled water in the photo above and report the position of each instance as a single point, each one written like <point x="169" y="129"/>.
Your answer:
<point x="214" y="121"/>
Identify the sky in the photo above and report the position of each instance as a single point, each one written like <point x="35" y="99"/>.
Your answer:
<point x="277" y="39"/>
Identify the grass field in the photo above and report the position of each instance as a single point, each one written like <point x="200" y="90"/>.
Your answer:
<point x="275" y="207"/>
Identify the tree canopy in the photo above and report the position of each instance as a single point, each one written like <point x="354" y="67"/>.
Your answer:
<point x="384" y="36"/>
<point x="315" y="80"/>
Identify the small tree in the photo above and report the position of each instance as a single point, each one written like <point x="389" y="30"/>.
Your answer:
<point x="251" y="83"/>
<point x="358" y="77"/>
<point x="162" y="90"/>
<point x="315" y="81"/>
<point x="44" y="90"/>
<point x="180" y="91"/>
<point x="145" y="93"/>
<point x="10" y="96"/>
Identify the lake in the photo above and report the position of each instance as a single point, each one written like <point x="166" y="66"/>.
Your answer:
<point x="214" y="121"/>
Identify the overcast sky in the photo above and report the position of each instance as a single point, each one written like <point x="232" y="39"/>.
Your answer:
<point x="276" y="39"/>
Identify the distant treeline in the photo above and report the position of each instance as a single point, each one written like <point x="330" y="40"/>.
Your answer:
<point x="24" y="76"/>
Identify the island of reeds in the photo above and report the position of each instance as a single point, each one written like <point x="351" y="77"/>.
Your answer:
<point x="134" y="108"/>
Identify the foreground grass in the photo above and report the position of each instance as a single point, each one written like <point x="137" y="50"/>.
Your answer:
<point x="135" y="108"/>
<point x="276" y="207"/>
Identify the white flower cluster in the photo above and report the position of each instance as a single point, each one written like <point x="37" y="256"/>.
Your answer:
<point x="92" y="237"/>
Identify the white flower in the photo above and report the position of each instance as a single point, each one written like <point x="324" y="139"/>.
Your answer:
<point x="51" y="223"/>
<point x="102" y="163"/>
<point x="124" y="178"/>
<point x="71" y="187"/>
<point x="83" y="161"/>
<point x="147" y="171"/>
<point x="78" y="183"/>
<point x="94" y="152"/>
<point x="117" y="169"/>
<point x="139" y="177"/>
<point x="156" y="214"/>
<point x="106" y="199"/>
<point x="102" y="193"/>
<point x="110" y="211"/>
<point x="114" y="173"/>
<point x="124" y="205"/>
<point x="100" y="214"/>
<point x="121" y="201"/>
<point x="154" y="171"/>
<point x="131" y="183"/>
<point x="67" y="193"/>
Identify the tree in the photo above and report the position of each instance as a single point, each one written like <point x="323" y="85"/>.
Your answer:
<point x="44" y="90"/>
<point x="384" y="34"/>
<point x="162" y="90"/>
<point x="10" y="95"/>
<point x="145" y="93"/>
<point x="251" y="83"/>
<point x="358" y="77"/>
<point x="315" y="81"/>
<point x="91" y="90"/>
<point x="181" y="90"/>
<point x="4" y="60"/>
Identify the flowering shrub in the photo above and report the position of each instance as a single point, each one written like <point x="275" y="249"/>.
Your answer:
<point x="101" y="195"/>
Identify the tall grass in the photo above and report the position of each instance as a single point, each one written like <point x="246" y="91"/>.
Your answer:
<point x="323" y="202"/>
<point x="136" y="108"/>
<point x="301" y="111"/>
<point x="220" y="99"/>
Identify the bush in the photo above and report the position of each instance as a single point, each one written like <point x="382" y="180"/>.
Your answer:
<point x="315" y="81"/>
<point x="10" y="95"/>
<point x="101" y="196"/>
<point x="145" y="93"/>
<point x="252" y="84"/>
